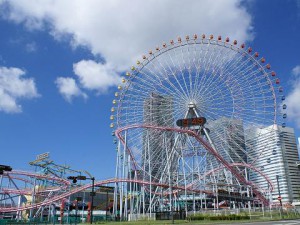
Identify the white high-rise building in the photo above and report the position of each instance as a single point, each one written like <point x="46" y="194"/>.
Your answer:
<point x="228" y="137"/>
<point x="274" y="151"/>
<point x="158" y="111"/>
<point x="298" y="144"/>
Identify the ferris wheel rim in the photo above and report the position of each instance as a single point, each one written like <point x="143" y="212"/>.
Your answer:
<point x="204" y="41"/>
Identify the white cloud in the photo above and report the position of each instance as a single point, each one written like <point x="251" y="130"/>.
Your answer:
<point x="292" y="100"/>
<point x="31" y="47"/>
<point x="91" y="76"/>
<point x="14" y="87"/>
<point x="296" y="71"/>
<point x="68" y="88"/>
<point x="96" y="76"/>
<point x="121" y="31"/>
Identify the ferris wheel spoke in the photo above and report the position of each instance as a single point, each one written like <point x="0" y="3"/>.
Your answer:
<point x="198" y="65"/>
<point x="170" y="75"/>
<point x="167" y="79"/>
<point x="179" y="72"/>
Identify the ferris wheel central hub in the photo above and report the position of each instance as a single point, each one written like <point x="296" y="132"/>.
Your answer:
<point x="192" y="105"/>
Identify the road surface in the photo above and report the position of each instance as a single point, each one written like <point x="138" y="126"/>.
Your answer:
<point x="282" y="222"/>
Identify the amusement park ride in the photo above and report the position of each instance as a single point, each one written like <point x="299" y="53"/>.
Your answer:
<point x="187" y="121"/>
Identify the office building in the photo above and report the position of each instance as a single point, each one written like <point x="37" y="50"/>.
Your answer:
<point x="158" y="111"/>
<point x="273" y="150"/>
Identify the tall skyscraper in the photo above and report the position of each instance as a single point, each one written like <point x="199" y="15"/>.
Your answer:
<point x="273" y="150"/>
<point x="228" y="138"/>
<point x="158" y="111"/>
<point x="298" y="144"/>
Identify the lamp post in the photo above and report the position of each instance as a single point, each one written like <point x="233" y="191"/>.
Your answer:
<point x="279" y="194"/>
<point x="92" y="193"/>
<point x="106" y="205"/>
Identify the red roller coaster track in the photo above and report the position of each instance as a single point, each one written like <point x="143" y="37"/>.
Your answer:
<point x="98" y="183"/>
<point x="66" y="184"/>
<point x="206" y="145"/>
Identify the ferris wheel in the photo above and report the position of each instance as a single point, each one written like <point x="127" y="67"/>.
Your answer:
<point x="195" y="113"/>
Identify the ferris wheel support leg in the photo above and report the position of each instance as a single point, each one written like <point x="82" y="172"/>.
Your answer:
<point x="33" y="200"/>
<point x="144" y="203"/>
<point x="122" y="195"/>
<point x="193" y="169"/>
<point x="115" y="206"/>
<point x="130" y="195"/>
<point x="201" y="195"/>
<point x="201" y="200"/>
<point x="185" y="192"/>
<point x="150" y="173"/>
<point x="136" y="202"/>
<point x="170" y="184"/>
<point x="248" y="193"/>
<point x="127" y="172"/>
<point x="143" y="187"/>
<point x="217" y="192"/>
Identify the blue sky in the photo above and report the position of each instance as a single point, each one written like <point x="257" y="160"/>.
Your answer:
<point x="60" y="62"/>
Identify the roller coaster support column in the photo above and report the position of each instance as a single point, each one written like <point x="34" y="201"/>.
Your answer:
<point x="62" y="208"/>
<point x="53" y="212"/>
<point x="32" y="200"/>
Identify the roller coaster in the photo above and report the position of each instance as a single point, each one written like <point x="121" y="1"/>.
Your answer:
<point x="29" y="195"/>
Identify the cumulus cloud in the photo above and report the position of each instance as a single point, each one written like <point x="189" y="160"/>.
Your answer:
<point x="91" y="76"/>
<point x="296" y="71"/>
<point x="292" y="100"/>
<point x="96" y="76"/>
<point x="68" y="88"/>
<point x="121" y="31"/>
<point x="13" y="87"/>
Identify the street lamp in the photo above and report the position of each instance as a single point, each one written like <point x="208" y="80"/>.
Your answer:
<point x="92" y="193"/>
<point x="279" y="194"/>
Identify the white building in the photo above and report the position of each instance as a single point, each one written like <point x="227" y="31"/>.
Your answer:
<point x="298" y="144"/>
<point x="274" y="151"/>
<point x="158" y="110"/>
